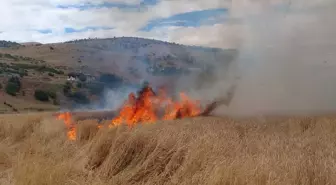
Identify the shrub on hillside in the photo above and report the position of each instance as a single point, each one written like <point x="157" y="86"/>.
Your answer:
<point x="13" y="85"/>
<point x="56" y="102"/>
<point x="95" y="88"/>
<point x="41" y="95"/>
<point x="12" y="88"/>
<point x="80" y="98"/>
<point x="38" y="68"/>
<point x="82" y="77"/>
<point x="67" y="88"/>
<point x="52" y="94"/>
<point x="79" y="85"/>
<point x="16" y="80"/>
<point x="111" y="80"/>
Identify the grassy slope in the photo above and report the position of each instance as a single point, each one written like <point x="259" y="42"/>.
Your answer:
<point x="34" y="151"/>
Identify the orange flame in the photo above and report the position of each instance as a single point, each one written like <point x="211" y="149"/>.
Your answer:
<point x="148" y="107"/>
<point x="67" y="118"/>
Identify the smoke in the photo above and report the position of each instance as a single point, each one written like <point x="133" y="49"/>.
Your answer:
<point x="286" y="60"/>
<point x="286" y="63"/>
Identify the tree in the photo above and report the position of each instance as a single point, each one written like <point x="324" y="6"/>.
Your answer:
<point x="16" y="80"/>
<point x="41" y="95"/>
<point x="12" y="88"/>
<point x="13" y="85"/>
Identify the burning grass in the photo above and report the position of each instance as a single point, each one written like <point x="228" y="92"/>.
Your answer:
<point x="147" y="107"/>
<point x="34" y="150"/>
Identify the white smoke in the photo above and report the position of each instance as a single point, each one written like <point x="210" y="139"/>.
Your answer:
<point x="287" y="60"/>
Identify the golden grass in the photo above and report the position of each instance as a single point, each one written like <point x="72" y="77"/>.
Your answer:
<point x="34" y="151"/>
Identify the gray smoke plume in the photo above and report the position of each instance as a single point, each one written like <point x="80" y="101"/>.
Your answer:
<point x="287" y="61"/>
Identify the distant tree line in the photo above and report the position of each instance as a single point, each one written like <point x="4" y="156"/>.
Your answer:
<point x="8" y="44"/>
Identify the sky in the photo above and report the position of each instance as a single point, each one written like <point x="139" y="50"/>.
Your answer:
<point x="217" y="23"/>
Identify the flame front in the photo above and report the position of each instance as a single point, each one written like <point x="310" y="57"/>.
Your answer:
<point x="147" y="107"/>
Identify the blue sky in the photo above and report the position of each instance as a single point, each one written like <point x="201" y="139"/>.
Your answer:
<point x="195" y="22"/>
<point x="89" y="5"/>
<point x="181" y="21"/>
<point x="185" y="19"/>
<point x="188" y="19"/>
<point x="88" y="28"/>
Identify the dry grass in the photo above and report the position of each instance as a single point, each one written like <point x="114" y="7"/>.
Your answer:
<point x="34" y="151"/>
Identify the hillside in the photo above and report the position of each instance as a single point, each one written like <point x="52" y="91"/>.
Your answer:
<point x="127" y="59"/>
<point x="34" y="150"/>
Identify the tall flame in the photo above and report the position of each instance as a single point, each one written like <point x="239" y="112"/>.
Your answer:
<point x="67" y="118"/>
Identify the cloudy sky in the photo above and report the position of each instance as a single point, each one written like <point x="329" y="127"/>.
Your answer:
<point x="195" y="22"/>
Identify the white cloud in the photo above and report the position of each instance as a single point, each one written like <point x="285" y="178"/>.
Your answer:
<point x="168" y="8"/>
<point x="71" y="2"/>
<point x="21" y="18"/>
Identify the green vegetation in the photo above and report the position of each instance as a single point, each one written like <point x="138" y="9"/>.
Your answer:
<point x="44" y="96"/>
<point x="9" y="56"/>
<point x="75" y="95"/>
<point x="8" y="44"/>
<point x="22" y="69"/>
<point x="79" y="85"/>
<point x="95" y="88"/>
<point x="56" y="102"/>
<point x="17" y="58"/>
<point x="67" y="88"/>
<point x="52" y="94"/>
<point x="41" y="95"/>
<point x="111" y="80"/>
<point x="49" y="69"/>
<point x="6" y="68"/>
<point x="82" y="77"/>
<point x="20" y="72"/>
<point x="13" y="86"/>
<point x="38" y="68"/>
<point x="79" y="97"/>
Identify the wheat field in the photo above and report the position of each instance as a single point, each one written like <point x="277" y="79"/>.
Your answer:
<point x="34" y="150"/>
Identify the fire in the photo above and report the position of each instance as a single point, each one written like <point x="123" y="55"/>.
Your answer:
<point x="145" y="107"/>
<point x="67" y="118"/>
<point x="149" y="107"/>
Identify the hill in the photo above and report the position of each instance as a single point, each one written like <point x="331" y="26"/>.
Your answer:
<point x="127" y="59"/>
<point x="34" y="150"/>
